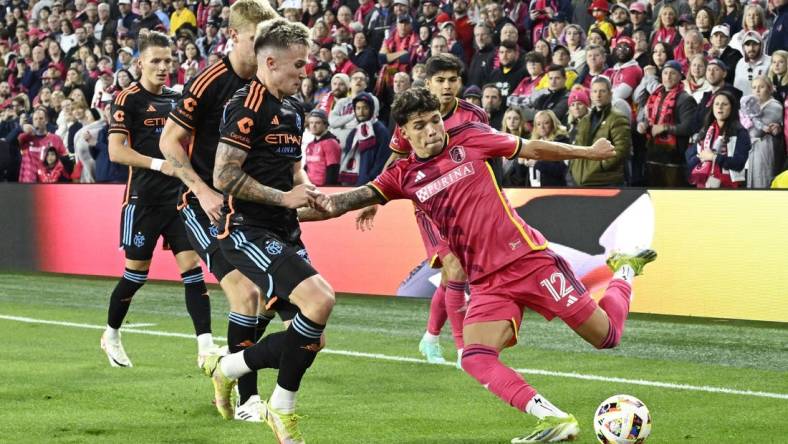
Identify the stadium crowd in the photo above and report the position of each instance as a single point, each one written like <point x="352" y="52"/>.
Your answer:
<point x="690" y="92"/>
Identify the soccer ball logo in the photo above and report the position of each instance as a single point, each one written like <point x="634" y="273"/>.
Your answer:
<point x="622" y="419"/>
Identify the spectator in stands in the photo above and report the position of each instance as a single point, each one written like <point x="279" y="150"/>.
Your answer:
<point x="626" y="74"/>
<point x="340" y="56"/>
<point x="511" y="71"/>
<point x="106" y="170"/>
<point x="704" y="21"/>
<point x="604" y="121"/>
<point x="691" y="45"/>
<point x="51" y="169"/>
<point x="555" y="97"/>
<point x="668" y="125"/>
<point x="496" y="20"/>
<point x="380" y="19"/>
<point x="492" y="103"/>
<point x="719" y="157"/>
<point x="619" y="17"/>
<point x="753" y="64"/>
<point x="33" y="143"/>
<point x="720" y="36"/>
<point x="778" y="73"/>
<point x="449" y="31"/>
<point x="778" y="39"/>
<point x="753" y="21"/>
<point x="579" y="105"/>
<point x="600" y="10"/>
<point x="306" y="95"/>
<point x="762" y="116"/>
<point x="105" y="26"/>
<point x="181" y="16"/>
<point x="146" y="20"/>
<point x="716" y="73"/>
<point x="666" y="30"/>
<point x="473" y="94"/>
<point x="695" y="84"/>
<point x="364" y="57"/>
<point x="482" y="63"/>
<point x="399" y="49"/>
<point x="464" y="30"/>
<point x="639" y="18"/>
<point x="652" y="74"/>
<point x="514" y="172"/>
<point x="367" y="147"/>
<point x="574" y="40"/>
<point x="542" y="173"/>
<point x="340" y="84"/>
<point x="731" y="15"/>
<point x="34" y="71"/>
<point x="595" y="65"/>
<point x="342" y="118"/>
<point x="322" y="155"/>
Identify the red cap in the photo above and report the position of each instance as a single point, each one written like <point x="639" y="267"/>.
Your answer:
<point x="579" y="94"/>
<point x="599" y="4"/>
<point x="626" y="40"/>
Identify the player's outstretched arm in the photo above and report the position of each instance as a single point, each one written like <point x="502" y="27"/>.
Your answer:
<point x="545" y="150"/>
<point x="337" y="204"/>
<point x="228" y="176"/>
<point x="171" y="144"/>
<point x="120" y="152"/>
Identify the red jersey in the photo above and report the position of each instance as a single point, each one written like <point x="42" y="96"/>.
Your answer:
<point x="462" y="112"/>
<point x="457" y="190"/>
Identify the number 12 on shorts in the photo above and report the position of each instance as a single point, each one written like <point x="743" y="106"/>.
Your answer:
<point x="558" y="289"/>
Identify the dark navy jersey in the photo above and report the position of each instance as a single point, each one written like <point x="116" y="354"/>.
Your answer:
<point x="140" y="115"/>
<point x="270" y="131"/>
<point x="200" y="112"/>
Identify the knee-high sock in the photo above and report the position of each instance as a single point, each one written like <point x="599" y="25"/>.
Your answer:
<point x="616" y="304"/>
<point x="301" y="344"/>
<point x="266" y="353"/>
<point x="455" y="308"/>
<point x="241" y="336"/>
<point x="437" y="311"/>
<point x="120" y="300"/>
<point x="481" y="362"/>
<point x="262" y="325"/>
<point x="198" y="304"/>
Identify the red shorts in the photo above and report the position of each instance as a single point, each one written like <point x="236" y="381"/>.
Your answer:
<point x="436" y="246"/>
<point x="541" y="281"/>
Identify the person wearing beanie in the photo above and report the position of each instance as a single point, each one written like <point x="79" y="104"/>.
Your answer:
<point x="342" y="119"/>
<point x="473" y="94"/>
<point x="579" y="103"/>
<point x="604" y="121"/>
<point x="340" y="84"/>
<point x="340" y="56"/>
<point x="323" y="153"/>
<point x="366" y="149"/>
<point x="667" y="124"/>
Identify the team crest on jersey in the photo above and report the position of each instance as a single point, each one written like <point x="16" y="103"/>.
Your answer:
<point x="298" y="121"/>
<point x="303" y="255"/>
<point x="139" y="240"/>
<point x="457" y="154"/>
<point x="274" y="247"/>
<point x="213" y="231"/>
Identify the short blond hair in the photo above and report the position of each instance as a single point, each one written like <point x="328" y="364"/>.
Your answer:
<point x="249" y="13"/>
<point x="280" y="34"/>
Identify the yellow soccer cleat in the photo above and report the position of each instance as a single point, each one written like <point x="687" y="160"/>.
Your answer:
<point x="222" y="386"/>
<point x="552" y="429"/>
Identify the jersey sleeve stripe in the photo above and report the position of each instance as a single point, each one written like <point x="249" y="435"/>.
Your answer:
<point x="395" y="148"/>
<point x="517" y="149"/>
<point x="508" y="211"/>
<point x="126" y="93"/>
<point x="377" y="191"/>
<point x="119" y="131"/>
<point x="181" y="122"/>
<point x="235" y="143"/>
<point x="199" y="92"/>
<point x="250" y="96"/>
<point x="205" y="74"/>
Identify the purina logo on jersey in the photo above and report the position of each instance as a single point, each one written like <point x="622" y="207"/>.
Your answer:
<point x="445" y="181"/>
<point x="274" y="247"/>
<point x="457" y="154"/>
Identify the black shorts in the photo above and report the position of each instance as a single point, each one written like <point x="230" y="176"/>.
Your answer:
<point x="202" y="236"/>
<point x="142" y="225"/>
<point x="273" y="265"/>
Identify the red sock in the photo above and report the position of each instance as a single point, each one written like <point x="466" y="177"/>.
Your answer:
<point x="481" y="362"/>
<point x="616" y="304"/>
<point x="455" y="308"/>
<point x="437" y="311"/>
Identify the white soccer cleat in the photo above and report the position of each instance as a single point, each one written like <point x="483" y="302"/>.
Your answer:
<point x="115" y="352"/>
<point x="250" y="410"/>
<point x="212" y="350"/>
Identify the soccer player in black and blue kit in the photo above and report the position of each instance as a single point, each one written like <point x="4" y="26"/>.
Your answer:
<point x="138" y="114"/>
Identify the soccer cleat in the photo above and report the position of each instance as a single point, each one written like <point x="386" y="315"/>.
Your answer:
<point x="212" y="350"/>
<point x="250" y="410"/>
<point x="637" y="260"/>
<point x="284" y="425"/>
<point x="432" y="351"/>
<point x="552" y="429"/>
<point x="222" y="386"/>
<point x="115" y="352"/>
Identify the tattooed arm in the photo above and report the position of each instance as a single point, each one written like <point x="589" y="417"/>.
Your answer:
<point x="170" y="142"/>
<point x="340" y="203"/>
<point x="228" y="176"/>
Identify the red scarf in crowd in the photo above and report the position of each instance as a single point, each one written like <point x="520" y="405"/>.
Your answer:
<point x="661" y="110"/>
<point x="699" y="176"/>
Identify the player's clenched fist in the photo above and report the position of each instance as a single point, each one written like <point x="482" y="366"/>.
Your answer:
<point x="601" y="149"/>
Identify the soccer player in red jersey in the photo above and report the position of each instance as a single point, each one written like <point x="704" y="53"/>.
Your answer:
<point x="444" y="80"/>
<point x="509" y="264"/>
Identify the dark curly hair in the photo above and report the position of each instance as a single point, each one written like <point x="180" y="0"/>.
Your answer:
<point x="413" y="101"/>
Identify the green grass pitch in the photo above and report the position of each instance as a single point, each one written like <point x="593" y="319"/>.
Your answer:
<point x="726" y="381"/>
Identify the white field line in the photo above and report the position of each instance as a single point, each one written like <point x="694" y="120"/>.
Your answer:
<point x="382" y="357"/>
<point x="138" y="325"/>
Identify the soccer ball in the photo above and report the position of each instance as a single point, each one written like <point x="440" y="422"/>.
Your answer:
<point x="622" y="419"/>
